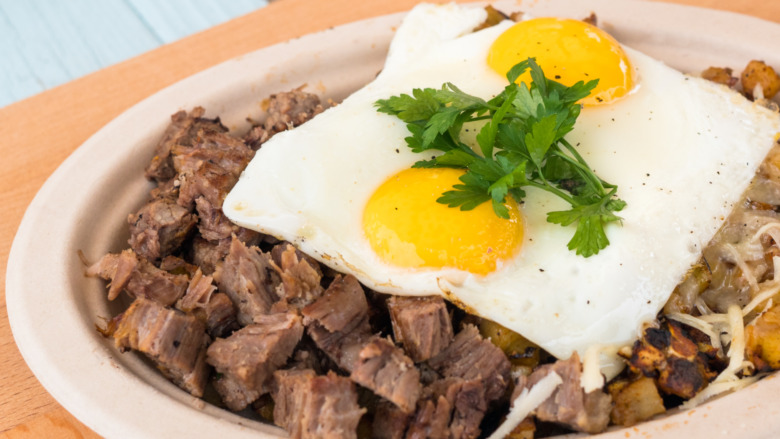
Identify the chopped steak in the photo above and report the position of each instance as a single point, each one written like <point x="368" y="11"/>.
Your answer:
<point x="469" y="356"/>
<point x="175" y="341"/>
<point x="159" y="228"/>
<point x="211" y="167"/>
<point x="181" y="131"/>
<point x="300" y="276"/>
<point x="285" y="110"/>
<point x="311" y="406"/>
<point x="177" y="265"/>
<point x="338" y="321"/>
<point x="421" y="324"/>
<point x="450" y="408"/>
<point x="221" y="316"/>
<point x="207" y="254"/>
<point x="249" y="357"/>
<point x="247" y="278"/>
<point x="388" y="372"/>
<point x="569" y="405"/>
<point x="390" y="422"/>
<point x="215" y="226"/>
<point x="139" y="278"/>
<point x="198" y="293"/>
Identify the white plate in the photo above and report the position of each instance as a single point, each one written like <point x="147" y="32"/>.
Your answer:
<point x="83" y="206"/>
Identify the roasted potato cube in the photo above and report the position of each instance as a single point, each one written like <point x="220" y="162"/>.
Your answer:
<point x="757" y="72"/>
<point x="519" y="350"/>
<point x="720" y="75"/>
<point x="635" y="401"/>
<point x="524" y="430"/>
<point x="763" y="340"/>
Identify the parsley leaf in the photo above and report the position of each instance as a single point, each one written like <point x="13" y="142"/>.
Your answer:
<point x="520" y="144"/>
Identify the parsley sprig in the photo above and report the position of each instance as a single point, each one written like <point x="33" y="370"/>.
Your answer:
<point x="522" y="145"/>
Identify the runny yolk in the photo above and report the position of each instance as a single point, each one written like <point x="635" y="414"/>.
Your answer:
<point x="568" y="51"/>
<point x="406" y="227"/>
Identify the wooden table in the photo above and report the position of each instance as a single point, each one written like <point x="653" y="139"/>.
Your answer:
<point x="40" y="132"/>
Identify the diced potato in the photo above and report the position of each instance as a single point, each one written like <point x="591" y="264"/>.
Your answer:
<point x="519" y="350"/>
<point x="635" y="401"/>
<point x="763" y="340"/>
<point x="524" y="430"/>
<point x="757" y="72"/>
<point x="720" y="75"/>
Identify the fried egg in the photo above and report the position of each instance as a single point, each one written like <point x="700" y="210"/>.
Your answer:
<point x="680" y="149"/>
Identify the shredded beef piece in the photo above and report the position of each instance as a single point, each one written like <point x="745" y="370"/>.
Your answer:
<point x="450" y="408"/>
<point x="247" y="278"/>
<point x="249" y="357"/>
<point x="211" y="167"/>
<point x="285" y="110"/>
<point x="159" y="228"/>
<point x="421" y="324"/>
<point x="207" y="255"/>
<point x="390" y="422"/>
<point x="221" y="316"/>
<point x="175" y="341"/>
<point x="168" y="189"/>
<point x="670" y="355"/>
<point x="139" y="278"/>
<point x="338" y="321"/>
<point x="181" y="131"/>
<point x="300" y="275"/>
<point x="469" y="356"/>
<point x="388" y="372"/>
<point x="569" y="404"/>
<point x="311" y="406"/>
<point x="198" y="293"/>
<point x="177" y="265"/>
<point x="215" y="226"/>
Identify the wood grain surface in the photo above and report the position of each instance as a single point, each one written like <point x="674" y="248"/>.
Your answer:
<point x="40" y="132"/>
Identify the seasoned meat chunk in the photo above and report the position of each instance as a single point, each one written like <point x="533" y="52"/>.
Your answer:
<point x="159" y="228"/>
<point x="390" y="422"/>
<point x="300" y="276"/>
<point x="215" y="226"/>
<point x="221" y="316"/>
<point x="247" y="278"/>
<point x="569" y="404"/>
<point x="285" y="110"/>
<point x="207" y="254"/>
<point x="248" y="358"/>
<point x="213" y="308"/>
<point x="388" y="372"/>
<point x="450" y="408"/>
<point x="338" y="321"/>
<point x="139" y="278"/>
<point x="181" y="131"/>
<point x="198" y="293"/>
<point x="670" y="356"/>
<point x="469" y="356"/>
<point x="311" y="406"/>
<point x="175" y="341"/>
<point x="421" y="324"/>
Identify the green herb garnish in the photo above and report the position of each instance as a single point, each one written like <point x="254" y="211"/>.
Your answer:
<point x="522" y="145"/>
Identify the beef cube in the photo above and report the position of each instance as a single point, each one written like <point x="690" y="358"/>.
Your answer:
<point x="300" y="276"/>
<point x="421" y="324"/>
<point x="383" y="368"/>
<point x="139" y="278"/>
<point x="285" y="110"/>
<point x="450" y="408"/>
<point x="221" y="318"/>
<point x="390" y="422"/>
<point x="215" y="226"/>
<point x="311" y="406"/>
<point x="569" y="404"/>
<point x="181" y="131"/>
<point x="338" y="321"/>
<point x="175" y="341"/>
<point x="469" y="356"/>
<point x="207" y="254"/>
<point x="198" y="293"/>
<point x="248" y="358"/>
<point x="247" y="278"/>
<point x="159" y="228"/>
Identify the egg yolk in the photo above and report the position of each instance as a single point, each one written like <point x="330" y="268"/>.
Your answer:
<point x="406" y="227"/>
<point x="568" y="51"/>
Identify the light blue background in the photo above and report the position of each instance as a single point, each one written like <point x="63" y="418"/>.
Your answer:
<point x="45" y="43"/>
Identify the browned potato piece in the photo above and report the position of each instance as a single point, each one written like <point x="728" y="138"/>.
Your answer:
<point x="763" y="340"/>
<point x="524" y="430"/>
<point x="757" y="72"/>
<point x="519" y="350"/>
<point x="635" y="401"/>
<point x="721" y="75"/>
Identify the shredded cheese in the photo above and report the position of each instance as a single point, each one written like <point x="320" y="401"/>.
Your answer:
<point x="700" y="324"/>
<point x="591" y="378"/>
<point x="740" y="262"/>
<point x="527" y="402"/>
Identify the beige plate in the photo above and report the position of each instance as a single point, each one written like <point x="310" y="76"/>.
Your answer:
<point x="83" y="206"/>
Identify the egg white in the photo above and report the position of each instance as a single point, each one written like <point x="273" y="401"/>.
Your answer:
<point x="681" y="149"/>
